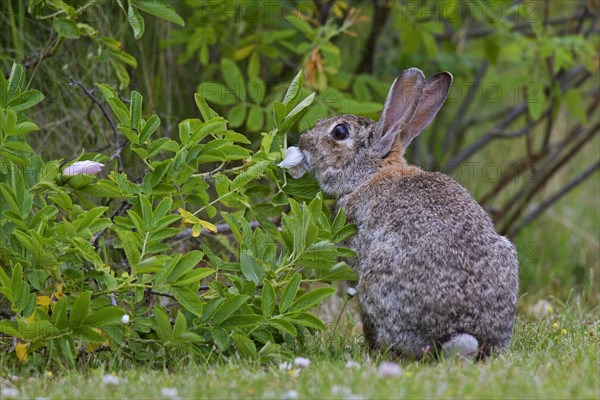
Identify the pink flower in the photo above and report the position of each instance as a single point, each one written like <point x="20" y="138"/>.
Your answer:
<point x="83" y="168"/>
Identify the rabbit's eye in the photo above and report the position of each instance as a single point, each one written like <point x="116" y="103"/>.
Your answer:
<point x="340" y="132"/>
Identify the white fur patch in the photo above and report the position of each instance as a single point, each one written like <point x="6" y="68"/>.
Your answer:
<point x="462" y="345"/>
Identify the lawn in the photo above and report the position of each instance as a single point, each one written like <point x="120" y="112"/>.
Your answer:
<point x="555" y="355"/>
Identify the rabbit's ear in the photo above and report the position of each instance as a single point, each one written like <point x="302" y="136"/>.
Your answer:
<point x="433" y="96"/>
<point x="398" y="110"/>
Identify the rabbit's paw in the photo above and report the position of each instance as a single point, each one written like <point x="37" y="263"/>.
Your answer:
<point x="461" y="345"/>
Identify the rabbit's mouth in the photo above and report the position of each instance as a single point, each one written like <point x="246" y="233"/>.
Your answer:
<point x="295" y="161"/>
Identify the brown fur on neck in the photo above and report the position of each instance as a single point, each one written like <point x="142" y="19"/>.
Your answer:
<point x="394" y="163"/>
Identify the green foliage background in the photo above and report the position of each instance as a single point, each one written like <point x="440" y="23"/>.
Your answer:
<point x="222" y="95"/>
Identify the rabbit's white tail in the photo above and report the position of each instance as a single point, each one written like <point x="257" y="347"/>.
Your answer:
<point x="462" y="345"/>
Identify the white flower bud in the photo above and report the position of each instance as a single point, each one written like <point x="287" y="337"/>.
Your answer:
<point x="125" y="319"/>
<point x="294" y="162"/>
<point x="351" y="292"/>
<point x="83" y="168"/>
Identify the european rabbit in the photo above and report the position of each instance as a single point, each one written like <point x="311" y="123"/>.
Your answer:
<point x="434" y="274"/>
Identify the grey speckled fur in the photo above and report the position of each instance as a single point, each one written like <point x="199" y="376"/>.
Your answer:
<point x="430" y="262"/>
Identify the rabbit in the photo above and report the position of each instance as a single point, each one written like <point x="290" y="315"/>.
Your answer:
<point x="433" y="273"/>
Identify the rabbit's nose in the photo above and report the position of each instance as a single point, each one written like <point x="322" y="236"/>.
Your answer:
<point x="304" y="143"/>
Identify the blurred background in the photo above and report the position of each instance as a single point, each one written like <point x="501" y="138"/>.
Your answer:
<point x="519" y="129"/>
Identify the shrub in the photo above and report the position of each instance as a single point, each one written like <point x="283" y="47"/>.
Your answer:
<point x="87" y="262"/>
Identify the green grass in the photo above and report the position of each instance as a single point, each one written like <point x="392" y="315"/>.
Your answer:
<point x="557" y="356"/>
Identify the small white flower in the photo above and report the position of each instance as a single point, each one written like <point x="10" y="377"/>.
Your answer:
<point x="352" y="364"/>
<point x="341" y="390"/>
<point x="110" y="380"/>
<point x="83" y="168"/>
<point x="125" y="319"/>
<point x="286" y="365"/>
<point x="294" y="162"/>
<point x="290" y="394"/>
<point x="8" y="392"/>
<point x="351" y="292"/>
<point x="169" y="392"/>
<point x="301" y="362"/>
<point x="389" y="370"/>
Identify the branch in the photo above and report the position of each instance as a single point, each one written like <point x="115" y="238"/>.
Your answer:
<point x="542" y="181"/>
<point x="526" y="28"/>
<point x="524" y="164"/>
<point x="380" y="16"/>
<point x="463" y="109"/>
<point x="554" y="198"/>
<point x="90" y="93"/>
<point x="566" y="82"/>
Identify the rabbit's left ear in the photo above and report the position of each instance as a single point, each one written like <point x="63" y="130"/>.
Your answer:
<point x="433" y="96"/>
<point x="399" y="108"/>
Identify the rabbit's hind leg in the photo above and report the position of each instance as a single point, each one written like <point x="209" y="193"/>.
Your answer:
<point x="463" y="345"/>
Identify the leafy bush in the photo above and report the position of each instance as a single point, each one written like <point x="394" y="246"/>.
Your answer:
<point x="85" y="259"/>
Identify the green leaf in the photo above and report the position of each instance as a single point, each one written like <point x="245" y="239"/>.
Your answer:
<point x="311" y="298"/>
<point x="185" y="264"/>
<point x="136" y="21"/>
<point x="237" y="115"/>
<point x="268" y="299"/>
<point x="255" y="119"/>
<point x="245" y="345"/>
<point x="80" y="310"/>
<point x="36" y="330"/>
<point x="344" y="233"/>
<point x="105" y="316"/>
<point x="162" y="324"/>
<point x="160" y="9"/>
<point x="294" y="89"/>
<point x="88" y="334"/>
<point x="251" y="267"/>
<point x="26" y="100"/>
<point x="228" y="307"/>
<point x="233" y="78"/>
<point x="66" y="28"/>
<point x="188" y="300"/>
<point x="14" y="80"/>
<point x="217" y="93"/>
<point x="283" y="325"/>
<point x="244" y="321"/>
<point x="249" y="175"/>
<point x="150" y="127"/>
<point x="205" y="110"/>
<point x="573" y="101"/>
<point x="180" y="326"/>
<point x="135" y="109"/>
<point x="290" y="292"/>
<point x="307" y="319"/>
